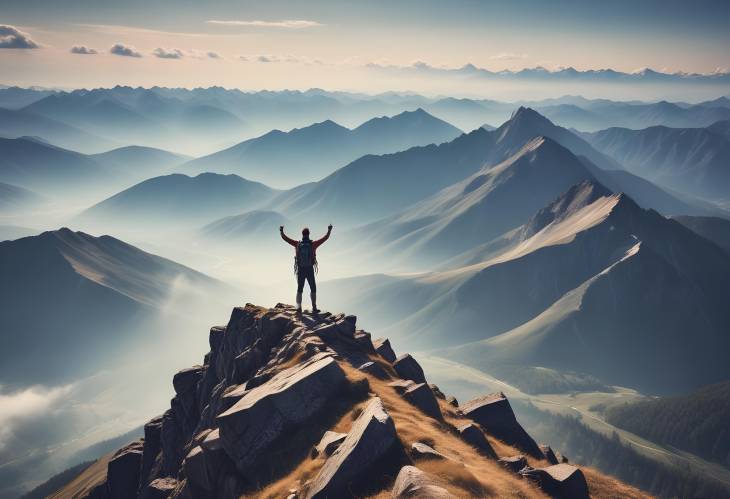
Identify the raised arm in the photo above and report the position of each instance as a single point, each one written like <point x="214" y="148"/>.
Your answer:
<point x="321" y="241"/>
<point x="286" y="238"/>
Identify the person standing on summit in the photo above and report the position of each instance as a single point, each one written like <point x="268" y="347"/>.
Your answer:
<point x="305" y="263"/>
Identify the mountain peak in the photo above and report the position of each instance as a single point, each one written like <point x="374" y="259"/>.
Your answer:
<point x="364" y="406"/>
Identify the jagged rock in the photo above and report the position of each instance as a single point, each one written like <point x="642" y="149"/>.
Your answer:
<point x="372" y="436"/>
<point x="474" y="436"/>
<point x="373" y="368"/>
<point x="436" y="391"/>
<point x="187" y="379"/>
<point x="452" y="401"/>
<point x="122" y="476"/>
<point x="547" y="451"/>
<point x="267" y="411"/>
<point x="560" y="480"/>
<point x="150" y="449"/>
<point x="171" y="438"/>
<point x="364" y="340"/>
<point x="494" y="413"/>
<point x="422" y="397"/>
<point x="513" y="463"/>
<point x="414" y="483"/>
<point x="401" y="385"/>
<point x="382" y="346"/>
<point x="160" y="488"/>
<point x="407" y="368"/>
<point x="196" y="470"/>
<point x="419" y="450"/>
<point x="98" y="491"/>
<point x="331" y="440"/>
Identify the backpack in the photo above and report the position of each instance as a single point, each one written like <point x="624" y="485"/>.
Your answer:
<point x="305" y="254"/>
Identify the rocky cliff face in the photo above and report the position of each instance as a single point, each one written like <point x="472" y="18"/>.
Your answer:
<point x="310" y="407"/>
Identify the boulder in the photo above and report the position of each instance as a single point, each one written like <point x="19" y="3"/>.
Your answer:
<point x="547" y="451"/>
<point x="161" y="488"/>
<point x="513" y="463"/>
<point x="419" y="450"/>
<point x="382" y="346"/>
<point x="266" y="412"/>
<point x="474" y="436"/>
<point x="414" y="483"/>
<point x="374" y="369"/>
<point x="407" y="368"/>
<point x="422" y="397"/>
<point x="122" y="476"/>
<point x="171" y="440"/>
<point x="452" y="401"/>
<point x="560" y="480"/>
<point x="331" y="440"/>
<point x="150" y="449"/>
<point x="371" y="438"/>
<point x="494" y="413"/>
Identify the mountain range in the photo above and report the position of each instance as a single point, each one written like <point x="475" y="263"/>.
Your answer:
<point x="306" y="154"/>
<point x="689" y="160"/>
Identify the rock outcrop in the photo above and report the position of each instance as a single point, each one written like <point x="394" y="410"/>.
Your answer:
<point x="494" y="413"/>
<point x="309" y="407"/>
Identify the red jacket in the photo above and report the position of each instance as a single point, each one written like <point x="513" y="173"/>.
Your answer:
<point x="315" y="244"/>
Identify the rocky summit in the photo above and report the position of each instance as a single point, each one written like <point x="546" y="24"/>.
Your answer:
<point x="305" y="406"/>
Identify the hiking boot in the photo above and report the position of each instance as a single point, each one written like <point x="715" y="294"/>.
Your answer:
<point x="315" y="310"/>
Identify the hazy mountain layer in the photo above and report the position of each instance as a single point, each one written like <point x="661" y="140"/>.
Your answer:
<point x="310" y="153"/>
<point x="80" y="283"/>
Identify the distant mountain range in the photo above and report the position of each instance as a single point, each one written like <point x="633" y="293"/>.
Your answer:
<point x="375" y="187"/>
<point x="254" y="226"/>
<point x="307" y="154"/>
<point x="694" y="161"/>
<point x="178" y="200"/>
<point x="60" y="287"/>
<point x="34" y="164"/>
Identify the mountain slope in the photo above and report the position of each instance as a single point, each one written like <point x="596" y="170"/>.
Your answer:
<point x="591" y="284"/>
<point x="140" y="162"/>
<point x="690" y="160"/>
<point x="713" y="229"/>
<point x="310" y="153"/>
<point x="13" y="198"/>
<point x="694" y="422"/>
<point x="178" y="200"/>
<point x="38" y="166"/>
<point x="81" y="281"/>
<point x="253" y="226"/>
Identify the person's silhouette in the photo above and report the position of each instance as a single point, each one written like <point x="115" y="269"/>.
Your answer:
<point x="305" y="263"/>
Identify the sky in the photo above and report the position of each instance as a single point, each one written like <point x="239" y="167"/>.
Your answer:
<point x="339" y="44"/>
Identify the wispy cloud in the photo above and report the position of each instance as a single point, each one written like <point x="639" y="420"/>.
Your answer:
<point x="12" y="38"/>
<point x="164" y="53"/>
<point x="285" y="23"/>
<point x="83" y="50"/>
<point x="124" y="50"/>
<point x="508" y="56"/>
<point x="271" y="58"/>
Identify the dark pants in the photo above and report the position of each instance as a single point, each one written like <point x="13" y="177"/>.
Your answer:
<point x="306" y="273"/>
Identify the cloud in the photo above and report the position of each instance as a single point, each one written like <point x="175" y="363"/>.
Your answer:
<point x="164" y="53"/>
<point x="286" y="23"/>
<point x="83" y="50"/>
<point x="213" y="55"/>
<point x="12" y="38"/>
<point x="508" y="56"/>
<point x="270" y="58"/>
<point x="124" y="50"/>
